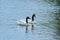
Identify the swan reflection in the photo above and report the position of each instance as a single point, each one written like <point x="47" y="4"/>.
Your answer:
<point x="27" y="29"/>
<point x="32" y="28"/>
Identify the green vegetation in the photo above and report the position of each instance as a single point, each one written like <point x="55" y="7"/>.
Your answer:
<point x="56" y="2"/>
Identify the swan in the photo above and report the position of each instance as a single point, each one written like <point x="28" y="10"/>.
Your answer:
<point x="24" y="22"/>
<point x="33" y="19"/>
<point x="27" y="21"/>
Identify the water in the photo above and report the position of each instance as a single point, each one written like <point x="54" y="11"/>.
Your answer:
<point x="47" y="17"/>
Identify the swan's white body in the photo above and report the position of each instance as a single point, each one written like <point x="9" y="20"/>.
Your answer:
<point x="33" y="22"/>
<point x="23" y="22"/>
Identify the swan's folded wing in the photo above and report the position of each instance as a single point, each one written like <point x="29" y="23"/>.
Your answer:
<point x="23" y="21"/>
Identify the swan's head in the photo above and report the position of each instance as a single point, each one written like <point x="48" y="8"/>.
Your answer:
<point x="33" y="16"/>
<point x="27" y="19"/>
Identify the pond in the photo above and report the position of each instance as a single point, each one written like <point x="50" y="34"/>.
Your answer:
<point x="47" y="25"/>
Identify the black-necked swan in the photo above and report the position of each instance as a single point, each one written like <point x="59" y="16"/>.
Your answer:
<point x="27" y="21"/>
<point x="24" y="22"/>
<point x="33" y="19"/>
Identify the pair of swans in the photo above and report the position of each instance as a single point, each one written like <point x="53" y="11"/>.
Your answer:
<point x="27" y="21"/>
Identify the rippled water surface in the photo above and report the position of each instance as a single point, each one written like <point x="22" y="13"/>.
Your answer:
<point x="47" y="18"/>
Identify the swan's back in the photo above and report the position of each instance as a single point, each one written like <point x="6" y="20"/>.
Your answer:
<point x="22" y="22"/>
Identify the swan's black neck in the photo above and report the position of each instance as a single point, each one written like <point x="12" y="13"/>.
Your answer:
<point x="27" y="19"/>
<point x="33" y="17"/>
